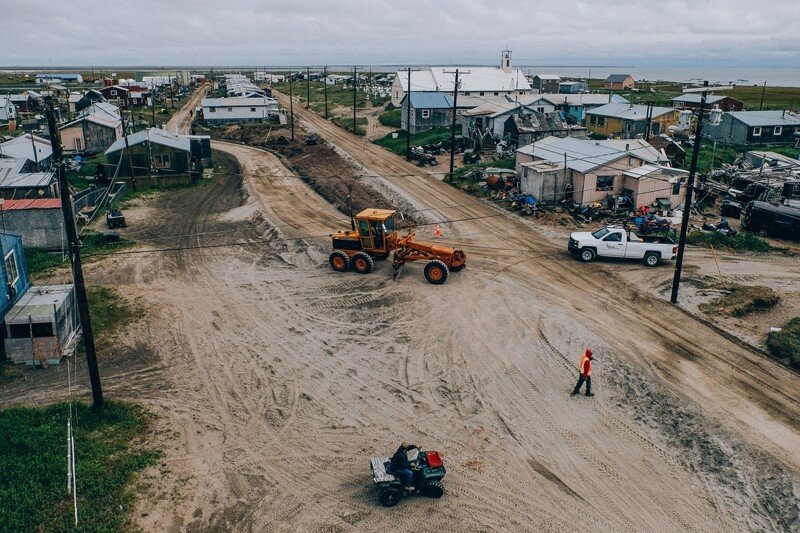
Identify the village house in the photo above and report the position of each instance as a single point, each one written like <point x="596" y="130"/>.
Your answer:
<point x="90" y="132"/>
<point x="676" y="155"/>
<point x="241" y="109"/>
<point x="35" y="151"/>
<point x="546" y="83"/>
<point x="8" y="111"/>
<point x="25" y="102"/>
<point x="58" y="78"/>
<point x="15" y="183"/>
<point x="126" y="97"/>
<point x="692" y="101"/>
<point x="77" y="102"/>
<point x="473" y="81"/>
<point x="553" y="168"/>
<point x="755" y="127"/>
<point x="630" y="120"/>
<point x="38" y="220"/>
<point x="42" y="326"/>
<point x="571" y="87"/>
<point x="15" y="273"/>
<point x="530" y="126"/>
<point x="428" y="111"/>
<point x="573" y="106"/>
<point x="160" y="158"/>
<point x="619" y="82"/>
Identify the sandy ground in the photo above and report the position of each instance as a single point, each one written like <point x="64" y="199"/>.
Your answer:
<point x="275" y="379"/>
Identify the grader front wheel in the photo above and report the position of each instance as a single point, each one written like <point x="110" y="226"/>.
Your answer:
<point x="436" y="272"/>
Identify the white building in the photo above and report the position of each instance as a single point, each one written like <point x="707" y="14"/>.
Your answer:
<point x="473" y="81"/>
<point x="222" y="110"/>
<point x="7" y="109"/>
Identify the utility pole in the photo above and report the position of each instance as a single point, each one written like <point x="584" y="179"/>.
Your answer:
<point x="453" y="126"/>
<point x="687" y="204"/>
<point x="763" y="92"/>
<point x="153" y="102"/>
<point x="127" y="151"/>
<point x="325" y="89"/>
<point x="355" y="85"/>
<point x="291" y="104"/>
<point x="649" y="125"/>
<point x="308" y="88"/>
<point x="408" y="116"/>
<point x="75" y="256"/>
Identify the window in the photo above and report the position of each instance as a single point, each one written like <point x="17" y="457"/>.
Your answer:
<point x="230" y="109"/>
<point x="252" y="109"/>
<point x="12" y="273"/>
<point x="676" y="188"/>
<point x="600" y="233"/>
<point x="592" y="119"/>
<point x="628" y="126"/>
<point x="601" y="121"/>
<point x="212" y="109"/>
<point x="631" y="160"/>
<point x="756" y="132"/>
<point x="363" y="227"/>
<point x="481" y="93"/>
<point x="466" y="93"/>
<point x="426" y="113"/>
<point x="34" y="330"/>
<point x="496" y="93"/>
<point x="540" y="109"/>
<point x="161" y="161"/>
<point x="614" y="237"/>
<point x="113" y="92"/>
<point x="778" y="130"/>
<point x="605" y="183"/>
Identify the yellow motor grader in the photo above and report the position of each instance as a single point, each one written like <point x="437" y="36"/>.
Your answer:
<point x="373" y="236"/>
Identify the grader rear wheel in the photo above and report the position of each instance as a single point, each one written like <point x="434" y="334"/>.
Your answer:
<point x="339" y="261"/>
<point x="362" y="263"/>
<point x="436" y="272"/>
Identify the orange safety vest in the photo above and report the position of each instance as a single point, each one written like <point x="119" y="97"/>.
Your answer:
<point x="437" y="232"/>
<point x="582" y="363"/>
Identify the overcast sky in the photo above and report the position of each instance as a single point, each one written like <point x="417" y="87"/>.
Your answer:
<point x="642" y="33"/>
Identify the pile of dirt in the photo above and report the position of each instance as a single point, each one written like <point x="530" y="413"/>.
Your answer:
<point x="741" y="300"/>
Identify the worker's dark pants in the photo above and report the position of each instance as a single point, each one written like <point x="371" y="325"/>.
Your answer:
<point x="580" y="382"/>
<point x="407" y="475"/>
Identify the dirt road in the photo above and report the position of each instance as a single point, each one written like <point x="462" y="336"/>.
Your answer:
<point x="181" y="121"/>
<point x="275" y="379"/>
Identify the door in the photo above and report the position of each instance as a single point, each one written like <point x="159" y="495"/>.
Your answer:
<point x="78" y="144"/>
<point x="365" y="235"/>
<point x="612" y="245"/>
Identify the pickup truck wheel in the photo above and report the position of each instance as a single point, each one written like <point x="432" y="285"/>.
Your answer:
<point x="389" y="497"/>
<point x="762" y="232"/>
<point x="651" y="259"/>
<point x="587" y="255"/>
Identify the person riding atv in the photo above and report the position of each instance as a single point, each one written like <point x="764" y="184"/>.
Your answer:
<point x="400" y="475"/>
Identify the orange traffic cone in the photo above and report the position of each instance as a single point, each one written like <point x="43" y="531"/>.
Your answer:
<point x="437" y="232"/>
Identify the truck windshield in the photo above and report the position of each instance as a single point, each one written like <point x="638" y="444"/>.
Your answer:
<point x="599" y="234"/>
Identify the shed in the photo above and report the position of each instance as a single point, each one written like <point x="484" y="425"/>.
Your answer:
<point x="38" y="220"/>
<point x="546" y="83"/>
<point x="428" y="111"/>
<point x="619" y="82"/>
<point x="7" y="109"/>
<point x="43" y="325"/>
<point x="755" y="127"/>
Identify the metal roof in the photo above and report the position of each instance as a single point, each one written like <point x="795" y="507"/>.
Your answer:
<point x="647" y="169"/>
<point x="10" y="167"/>
<point x="155" y="136"/>
<point x="239" y="102"/>
<point x="766" y="118"/>
<point x="35" y="203"/>
<point x="22" y="148"/>
<point x="548" y="77"/>
<point x="39" y="301"/>
<point x="617" y="78"/>
<point x="28" y="180"/>
<point x="581" y="155"/>
<point x="694" y="98"/>
<point x="585" y="99"/>
<point x="431" y="101"/>
<point x="629" y="111"/>
<point x="480" y="79"/>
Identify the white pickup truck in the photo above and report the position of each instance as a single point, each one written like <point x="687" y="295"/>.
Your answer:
<point x="619" y="242"/>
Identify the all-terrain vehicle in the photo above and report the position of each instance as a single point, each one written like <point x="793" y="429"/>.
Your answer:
<point x="115" y="219"/>
<point x="428" y="469"/>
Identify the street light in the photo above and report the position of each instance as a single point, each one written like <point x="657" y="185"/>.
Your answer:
<point x="687" y="204"/>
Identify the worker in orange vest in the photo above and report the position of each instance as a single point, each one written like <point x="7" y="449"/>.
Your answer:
<point x="585" y="374"/>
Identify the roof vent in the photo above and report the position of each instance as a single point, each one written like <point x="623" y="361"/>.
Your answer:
<point x="627" y="146"/>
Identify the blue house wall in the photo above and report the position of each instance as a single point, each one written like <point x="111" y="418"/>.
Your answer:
<point x="11" y="243"/>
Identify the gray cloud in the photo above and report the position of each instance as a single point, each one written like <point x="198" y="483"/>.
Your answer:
<point x="249" y="32"/>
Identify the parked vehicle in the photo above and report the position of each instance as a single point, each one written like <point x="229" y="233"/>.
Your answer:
<point x="428" y="469"/>
<point x="765" y="219"/>
<point x="618" y="242"/>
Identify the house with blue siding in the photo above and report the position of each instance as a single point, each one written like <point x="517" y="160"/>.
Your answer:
<point x="15" y="271"/>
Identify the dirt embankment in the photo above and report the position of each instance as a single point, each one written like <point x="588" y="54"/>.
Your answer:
<point x="341" y="182"/>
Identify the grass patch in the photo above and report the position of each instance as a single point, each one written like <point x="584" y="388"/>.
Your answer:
<point x="785" y="343"/>
<point x="40" y="261"/>
<point x="729" y="154"/>
<point x="391" y="118"/>
<point x="110" y="313"/>
<point x="109" y="454"/>
<point x="739" y="242"/>
<point x="347" y="123"/>
<point x="741" y="300"/>
<point x="398" y="146"/>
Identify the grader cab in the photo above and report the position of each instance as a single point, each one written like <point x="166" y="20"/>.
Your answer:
<point x="373" y="237"/>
